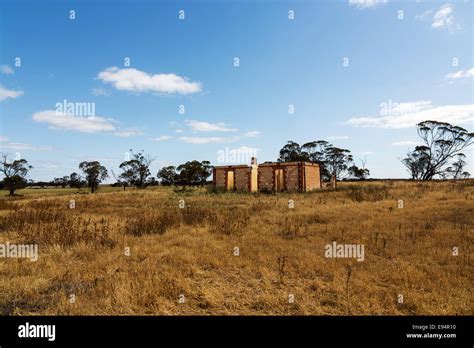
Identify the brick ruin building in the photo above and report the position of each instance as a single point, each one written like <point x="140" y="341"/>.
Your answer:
<point x="271" y="177"/>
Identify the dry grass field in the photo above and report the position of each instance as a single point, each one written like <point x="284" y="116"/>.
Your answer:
<point x="184" y="262"/>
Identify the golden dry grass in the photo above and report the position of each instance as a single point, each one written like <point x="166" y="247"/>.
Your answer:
<point x="191" y="252"/>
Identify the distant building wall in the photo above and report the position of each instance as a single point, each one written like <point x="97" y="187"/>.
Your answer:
<point x="297" y="176"/>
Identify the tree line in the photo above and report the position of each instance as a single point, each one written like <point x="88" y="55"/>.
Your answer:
<point x="333" y="160"/>
<point x="134" y="172"/>
<point x="440" y="156"/>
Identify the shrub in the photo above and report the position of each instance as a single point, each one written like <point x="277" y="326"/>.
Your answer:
<point x="57" y="228"/>
<point x="230" y="221"/>
<point x="215" y="190"/>
<point x="152" y="223"/>
<point x="194" y="215"/>
<point x="367" y="193"/>
<point x="291" y="228"/>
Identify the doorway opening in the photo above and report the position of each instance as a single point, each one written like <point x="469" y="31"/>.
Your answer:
<point x="279" y="183"/>
<point x="230" y="181"/>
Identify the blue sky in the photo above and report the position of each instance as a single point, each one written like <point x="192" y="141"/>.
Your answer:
<point x="358" y="73"/>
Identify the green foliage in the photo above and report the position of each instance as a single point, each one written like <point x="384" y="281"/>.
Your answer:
<point x="194" y="173"/>
<point x="94" y="172"/>
<point x="63" y="182"/>
<point x="14" y="173"/>
<point x="14" y="183"/>
<point x="76" y="181"/>
<point x="191" y="173"/>
<point x="333" y="160"/>
<point x="358" y="173"/>
<point x="168" y="176"/>
<point x="136" y="170"/>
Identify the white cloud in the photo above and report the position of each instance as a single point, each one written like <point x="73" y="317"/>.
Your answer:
<point x="5" y="69"/>
<point x="252" y="134"/>
<point x="460" y="74"/>
<point x="454" y="114"/>
<point x="25" y="147"/>
<point x="162" y="138"/>
<point x="338" y="137"/>
<point x="134" y="80"/>
<point x="100" y="91"/>
<point x="125" y="133"/>
<point x="207" y="140"/>
<point x="444" y="19"/>
<point x="200" y="126"/>
<point x="21" y="146"/>
<point x="366" y="3"/>
<point x="57" y="120"/>
<point x="406" y="143"/>
<point x="8" y="93"/>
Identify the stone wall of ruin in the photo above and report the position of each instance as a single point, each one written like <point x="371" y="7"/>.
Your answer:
<point x="220" y="177"/>
<point x="265" y="178"/>
<point x="293" y="176"/>
<point x="292" y="181"/>
<point x="242" y="179"/>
